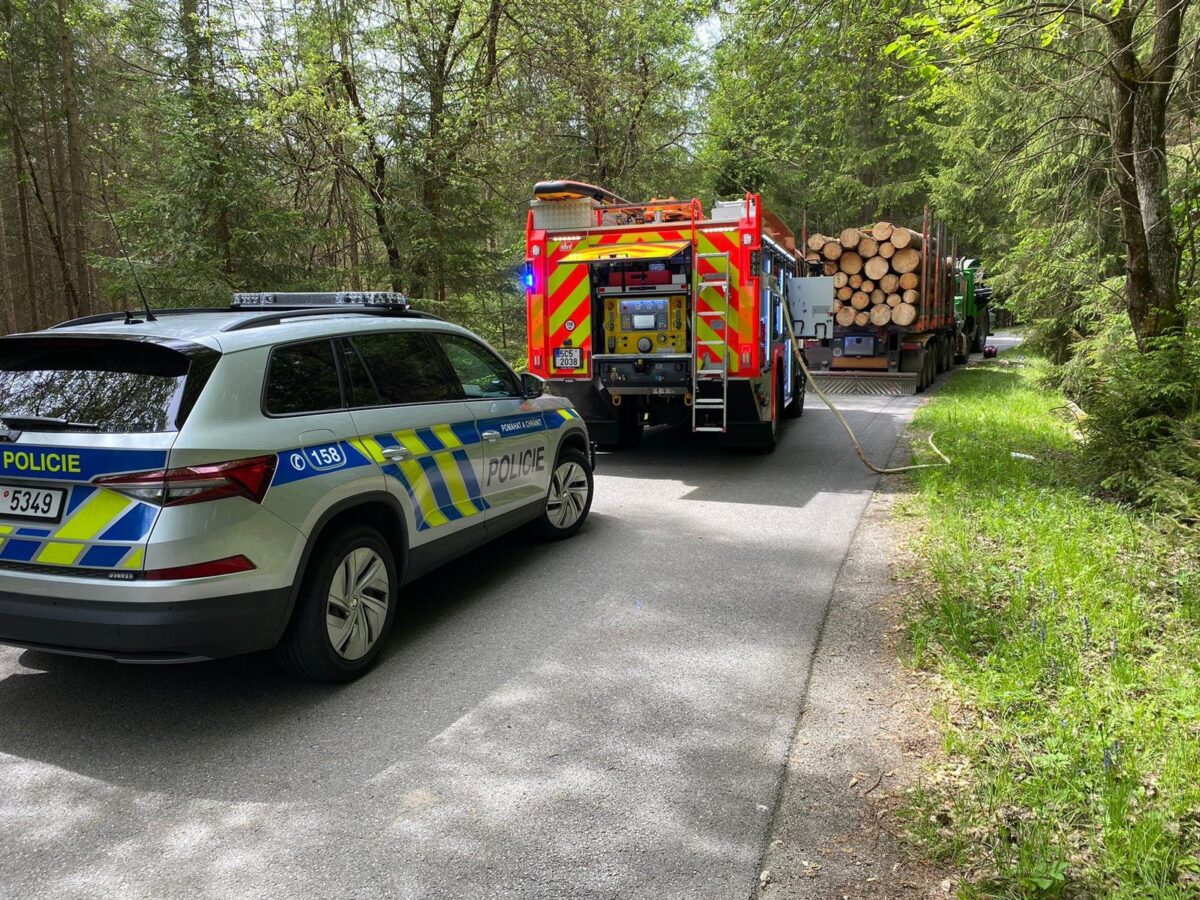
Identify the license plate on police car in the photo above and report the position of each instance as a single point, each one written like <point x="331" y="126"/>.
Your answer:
<point x="18" y="502"/>
<point x="568" y="358"/>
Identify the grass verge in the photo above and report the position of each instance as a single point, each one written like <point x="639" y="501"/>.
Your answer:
<point x="1063" y="631"/>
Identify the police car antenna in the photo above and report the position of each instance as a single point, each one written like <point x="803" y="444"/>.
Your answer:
<point x="150" y="317"/>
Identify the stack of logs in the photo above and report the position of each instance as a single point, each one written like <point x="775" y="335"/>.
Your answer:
<point x="876" y="273"/>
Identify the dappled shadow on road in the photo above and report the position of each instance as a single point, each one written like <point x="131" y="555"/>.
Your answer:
<point x="518" y="732"/>
<point x="601" y="717"/>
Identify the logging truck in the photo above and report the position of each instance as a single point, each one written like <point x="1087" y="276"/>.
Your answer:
<point x="662" y="313"/>
<point x="885" y="308"/>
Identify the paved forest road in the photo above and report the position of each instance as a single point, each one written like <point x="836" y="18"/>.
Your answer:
<point x="607" y="717"/>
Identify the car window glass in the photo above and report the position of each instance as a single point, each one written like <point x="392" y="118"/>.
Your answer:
<point x="405" y="367"/>
<point x="360" y="385"/>
<point x="303" y="378"/>
<point x="87" y="384"/>
<point x="482" y="373"/>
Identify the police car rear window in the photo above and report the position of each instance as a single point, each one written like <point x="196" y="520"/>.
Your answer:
<point x="112" y="387"/>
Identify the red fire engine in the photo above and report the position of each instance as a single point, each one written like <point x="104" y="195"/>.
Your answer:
<point x="658" y="313"/>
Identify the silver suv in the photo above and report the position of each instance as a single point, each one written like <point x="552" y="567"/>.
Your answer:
<point x="201" y="483"/>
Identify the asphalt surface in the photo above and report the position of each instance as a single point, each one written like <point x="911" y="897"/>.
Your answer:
<point x="606" y="717"/>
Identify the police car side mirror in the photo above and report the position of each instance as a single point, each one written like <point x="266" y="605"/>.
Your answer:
<point x="531" y="385"/>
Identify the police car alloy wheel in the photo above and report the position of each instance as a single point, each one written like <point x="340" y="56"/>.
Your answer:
<point x="357" y="606"/>
<point x="345" y="609"/>
<point x="569" y="498"/>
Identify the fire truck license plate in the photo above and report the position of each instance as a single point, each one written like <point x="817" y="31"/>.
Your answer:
<point x="568" y="358"/>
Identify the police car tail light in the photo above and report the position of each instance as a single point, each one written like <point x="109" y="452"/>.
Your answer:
<point x="247" y="478"/>
<point x="230" y="565"/>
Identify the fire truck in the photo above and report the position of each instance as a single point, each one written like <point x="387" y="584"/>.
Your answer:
<point x="662" y="313"/>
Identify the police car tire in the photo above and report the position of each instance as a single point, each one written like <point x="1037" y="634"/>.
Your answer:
<point x="305" y="649"/>
<point x="543" y="526"/>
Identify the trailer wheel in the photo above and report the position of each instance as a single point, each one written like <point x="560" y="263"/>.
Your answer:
<point x="982" y="326"/>
<point x="922" y="371"/>
<point x="943" y="355"/>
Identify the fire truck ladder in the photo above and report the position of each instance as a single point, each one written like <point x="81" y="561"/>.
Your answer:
<point x="710" y="338"/>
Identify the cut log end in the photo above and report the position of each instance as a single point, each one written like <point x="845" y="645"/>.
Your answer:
<point x="876" y="268"/>
<point x="850" y="263"/>
<point x="904" y="314"/>
<point x="845" y="316"/>
<point x="906" y="260"/>
<point x="881" y="315"/>
<point x="881" y="231"/>
<point x="850" y="238"/>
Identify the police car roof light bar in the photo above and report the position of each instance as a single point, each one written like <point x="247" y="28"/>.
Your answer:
<point x="268" y="300"/>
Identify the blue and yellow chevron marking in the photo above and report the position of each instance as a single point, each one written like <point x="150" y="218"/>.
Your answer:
<point x="98" y="531"/>
<point x="437" y="474"/>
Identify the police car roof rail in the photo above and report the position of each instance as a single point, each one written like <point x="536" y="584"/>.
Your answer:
<point x="279" y="313"/>
<point x="132" y="316"/>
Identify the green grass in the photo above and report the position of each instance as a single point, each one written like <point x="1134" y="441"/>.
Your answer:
<point x="1064" y="633"/>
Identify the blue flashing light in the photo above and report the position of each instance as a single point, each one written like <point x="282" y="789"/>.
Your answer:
<point x="528" y="276"/>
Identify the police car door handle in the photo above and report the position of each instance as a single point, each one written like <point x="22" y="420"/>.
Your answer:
<point x="394" y="453"/>
<point x="491" y="436"/>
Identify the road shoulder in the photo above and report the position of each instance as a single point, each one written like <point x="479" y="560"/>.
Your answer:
<point x="860" y="740"/>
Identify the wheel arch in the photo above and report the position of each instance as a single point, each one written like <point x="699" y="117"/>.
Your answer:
<point x="377" y="508"/>
<point x="575" y="440"/>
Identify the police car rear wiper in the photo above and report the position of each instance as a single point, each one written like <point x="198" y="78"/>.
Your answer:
<point x="46" y="423"/>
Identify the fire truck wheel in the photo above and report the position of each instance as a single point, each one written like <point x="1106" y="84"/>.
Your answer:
<point x="569" y="498"/>
<point x="795" y="409"/>
<point x="629" y="425"/>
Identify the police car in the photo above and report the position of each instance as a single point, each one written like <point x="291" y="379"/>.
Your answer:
<point x="190" y="484"/>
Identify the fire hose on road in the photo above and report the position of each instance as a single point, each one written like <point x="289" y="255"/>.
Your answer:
<point x="809" y="380"/>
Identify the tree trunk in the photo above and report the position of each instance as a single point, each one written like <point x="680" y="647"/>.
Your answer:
<point x="1150" y="170"/>
<point x="1138" y="131"/>
<point x="26" y="236"/>
<point x="78" y="231"/>
<point x="7" y="299"/>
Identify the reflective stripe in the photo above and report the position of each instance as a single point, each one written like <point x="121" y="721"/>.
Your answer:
<point x="410" y="441"/>
<point x="135" y="559"/>
<point x="368" y="447"/>
<point x="59" y="554"/>
<point x="422" y="493"/>
<point x="94" y="516"/>
<point x="447" y="436"/>
<point x="459" y="495"/>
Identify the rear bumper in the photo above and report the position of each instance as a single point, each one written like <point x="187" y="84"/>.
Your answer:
<point x="148" y="630"/>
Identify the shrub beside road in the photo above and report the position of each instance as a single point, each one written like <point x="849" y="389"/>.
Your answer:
<point x="1062" y="630"/>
